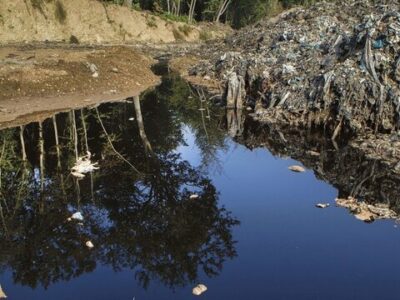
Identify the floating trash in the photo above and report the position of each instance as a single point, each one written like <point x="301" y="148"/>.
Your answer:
<point x="322" y="205"/>
<point x="199" y="289"/>
<point x="76" y="216"/>
<point x="2" y="294"/>
<point x="367" y="212"/>
<point x="297" y="169"/>
<point x="89" y="244"/>
<point x="132" y="119"/>
<point x="194" y="196"/>
<point x="83" y="166"/>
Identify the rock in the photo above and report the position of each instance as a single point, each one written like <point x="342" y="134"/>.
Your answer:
<point x="89" y="244"/>
<point x="3" y="295"/>
<point x="297" y="169"/>
<point x="199" y="289"/>
<point x="322" y="205"/>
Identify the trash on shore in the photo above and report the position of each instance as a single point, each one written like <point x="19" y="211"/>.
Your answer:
<point x="367" y="212"/>
<point x="76" y="216"/>
<point x="89" y="244"/>
<point x="297" y="169"/>
<point x="2" y="294"/>
<point x="93" y="68"/>
<point x="83" y="166"/>
<point x="322" y="205"/>
<point x="194" y="196"/>
<point x="199" y="289"/>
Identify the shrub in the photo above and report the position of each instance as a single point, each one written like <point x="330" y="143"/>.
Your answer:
<point x="60" y="12"/>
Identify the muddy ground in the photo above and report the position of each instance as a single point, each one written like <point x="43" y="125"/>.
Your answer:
<point x="40" y="79"/>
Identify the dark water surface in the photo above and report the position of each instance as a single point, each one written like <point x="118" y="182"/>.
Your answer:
<point x="253" y="233"/>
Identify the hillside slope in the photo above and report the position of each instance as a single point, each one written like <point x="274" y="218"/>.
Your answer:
<point x="90" y="21"/>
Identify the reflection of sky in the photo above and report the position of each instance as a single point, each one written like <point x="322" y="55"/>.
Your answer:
<point x="190" y="151"/>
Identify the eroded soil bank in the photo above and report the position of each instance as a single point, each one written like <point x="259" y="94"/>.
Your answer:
<point x="36" y="80"/>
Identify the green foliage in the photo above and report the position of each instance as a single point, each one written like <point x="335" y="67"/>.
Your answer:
<point x="239" y="13"/>
<point x="170" y="17"/>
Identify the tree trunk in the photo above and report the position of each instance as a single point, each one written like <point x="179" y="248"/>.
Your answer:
<point x="139" y="119"/>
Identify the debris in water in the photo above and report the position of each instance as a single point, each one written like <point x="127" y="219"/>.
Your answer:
<point x="297" y="169"/>
<point x="132" y="119"/>
<point x="322" y="205"/>
<point x="3" y="295"/>
<point x="194" y="196"/>
<point x="76" y="216"/>
<point x="199" y="289"/>
<point x="89" y="244"/>
<point x="367" y="212"/>
<point x="83" y="166"/>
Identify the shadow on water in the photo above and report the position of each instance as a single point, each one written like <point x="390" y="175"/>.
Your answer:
<point x="137" y="207"/>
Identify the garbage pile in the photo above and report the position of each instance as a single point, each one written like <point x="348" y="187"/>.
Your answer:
<point x="335" y="65"/>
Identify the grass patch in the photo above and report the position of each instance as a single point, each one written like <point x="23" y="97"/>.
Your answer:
<point x="185" y="29"/>
<point x="170" y="17"/>
<point x="178" y="35"/>
<point x="205" y="35"/>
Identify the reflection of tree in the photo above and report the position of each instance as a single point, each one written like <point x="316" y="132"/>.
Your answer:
<point x="146" y="223"/>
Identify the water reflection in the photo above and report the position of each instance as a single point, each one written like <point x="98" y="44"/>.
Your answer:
<point x="137" y="208"/>
<point x="346" y="168"/>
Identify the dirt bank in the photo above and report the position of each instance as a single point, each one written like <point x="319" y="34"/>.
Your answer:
<point x="91" y="22"/>
<point x="34" y="81"/>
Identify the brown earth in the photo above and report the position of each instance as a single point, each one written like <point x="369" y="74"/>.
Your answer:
<point x="92" y="22"/>
<point x="37" y="81"/>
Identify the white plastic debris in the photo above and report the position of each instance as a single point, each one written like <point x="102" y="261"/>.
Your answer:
<point x="132" y="119"/>
<point x="194" y="196"/>
<point x="297" y="169"/>
<point x="89" y="244"/>
<point x="83" y="166"/>
<point x="288" y="69"/>
<point x="322" y="205"/>
<point x="76" y="216"/>
<point x="2" y="294"/>
<point x="199" y="289"/>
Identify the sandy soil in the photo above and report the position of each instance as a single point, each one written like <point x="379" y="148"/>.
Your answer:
<point x="37" y="81"/>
